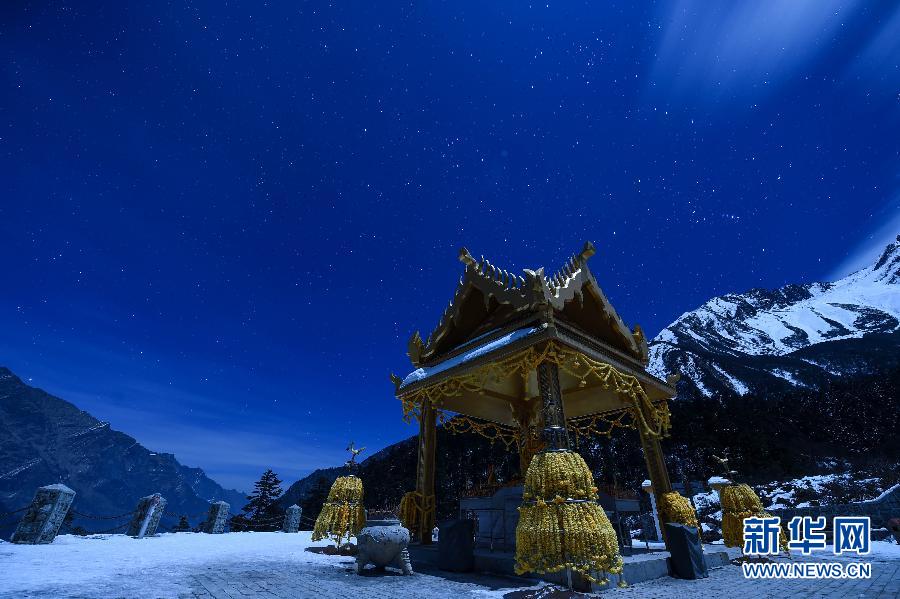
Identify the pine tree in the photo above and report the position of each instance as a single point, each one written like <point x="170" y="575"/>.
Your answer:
<point x="261" y="512"/>
<point x="182" y="526"/>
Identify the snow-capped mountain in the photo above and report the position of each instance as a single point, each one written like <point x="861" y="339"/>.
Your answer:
<point x="797" y="335"/>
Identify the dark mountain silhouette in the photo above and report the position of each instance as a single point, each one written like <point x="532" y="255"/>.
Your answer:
<point x="45" y="440"/>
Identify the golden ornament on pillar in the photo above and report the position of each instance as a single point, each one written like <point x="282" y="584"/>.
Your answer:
<point x="560" y="523"/>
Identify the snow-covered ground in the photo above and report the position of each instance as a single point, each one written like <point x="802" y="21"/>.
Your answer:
<point x="278" y="565"/>
<point x="823" y="489"/>
<point x="166" y="565"/>
<point x="136" y="567"/>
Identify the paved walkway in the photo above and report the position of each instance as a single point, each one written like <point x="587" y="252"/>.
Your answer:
<point x="277" y="565"/>
<point x="730" y="582"/>
<point x="285" y="581"/>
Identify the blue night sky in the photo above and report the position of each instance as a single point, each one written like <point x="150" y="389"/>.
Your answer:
<point x="221" y="221"/>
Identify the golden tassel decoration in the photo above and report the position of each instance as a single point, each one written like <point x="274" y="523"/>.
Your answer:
<point x="409" y="510"/>
<point x="343" y="514"/>
<point x="739" y="502"/>
<point x="675" y="508"/>
<point x="560" y="524"/>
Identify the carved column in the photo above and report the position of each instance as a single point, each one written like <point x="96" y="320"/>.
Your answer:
<point x="525" y="414"/>
<point x="656" y="468"/>
<point x="425" y="473"/>
<point x="555" y="434"/>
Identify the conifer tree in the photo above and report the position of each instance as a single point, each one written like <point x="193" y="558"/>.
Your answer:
<point x="182" y="526"/>
<point x="261" y="512"/>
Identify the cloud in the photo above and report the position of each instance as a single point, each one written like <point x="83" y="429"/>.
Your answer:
<point x="879" y="61"/>
<point x="885" y="228"/>
<point x="746" y="47"/>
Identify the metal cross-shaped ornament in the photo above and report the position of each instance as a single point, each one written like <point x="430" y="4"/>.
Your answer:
<point x="351" y="463"/>
<point x="723" y="462"/>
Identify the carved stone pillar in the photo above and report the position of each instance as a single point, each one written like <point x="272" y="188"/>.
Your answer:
<point x="292" y="517"/>
<point x="146" y="517"/>
<point x="425" y="472"/>
<point x="44" y="516"/>
<point x="555" y="434"/>
<point x="216" y="518"/>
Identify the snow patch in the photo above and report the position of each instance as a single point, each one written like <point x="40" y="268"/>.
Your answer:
<point x="21" y="468"/>
<point x="423" y="373"/>
<point x="739" y="387"/>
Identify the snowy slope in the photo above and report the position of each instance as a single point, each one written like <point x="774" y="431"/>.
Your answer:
<point x="798" y="335"/>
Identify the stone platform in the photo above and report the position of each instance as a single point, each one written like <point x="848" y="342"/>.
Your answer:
<point x="640" y="567"/>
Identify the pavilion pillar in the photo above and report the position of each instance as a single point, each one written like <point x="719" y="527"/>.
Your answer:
<point x="425" y="472"/>
<point x="656" y="468"/>
<point x="526" y="415"/>
<point x="555" y="435"/>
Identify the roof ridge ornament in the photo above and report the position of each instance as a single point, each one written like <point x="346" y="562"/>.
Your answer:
<point x="571" y="268"/>
<point x="588" y="251"/>
<point x="641" y="341"/>
<point x="505" y="296"/>
<point x="415" y="348"/>
<point x="465" y="257"/>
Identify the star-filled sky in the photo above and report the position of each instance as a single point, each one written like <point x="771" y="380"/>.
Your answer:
<point x="221" y="221"/>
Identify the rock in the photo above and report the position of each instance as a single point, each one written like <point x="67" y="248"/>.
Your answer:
<point x="45" y="515"/>
<point x="383" y="543"/>
<point x="146" y="516"/>
<point x="292" y="518"/>
<point x="216" y="518"/>
<point x="456" y="550"/>
<point x="893" y="525"/>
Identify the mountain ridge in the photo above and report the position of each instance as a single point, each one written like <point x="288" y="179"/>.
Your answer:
<point x="45" y="439"/>
<point x="797" y="335"/>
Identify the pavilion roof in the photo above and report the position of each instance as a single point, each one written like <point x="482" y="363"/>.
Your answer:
<point x="489" y="301"/>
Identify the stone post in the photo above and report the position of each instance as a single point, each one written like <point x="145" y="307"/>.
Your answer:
<point x="647" y="486"/>
<point x="216" y="518"/>
<point x="717" y="483"/>
<point x="146" y="516"/>
<point x="44" y="516"/>
<point x="656" y="468"/>
<point x="292" y="518"/>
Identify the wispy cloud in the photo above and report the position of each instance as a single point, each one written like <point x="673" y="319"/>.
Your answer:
<point x="878" y="62"/>
<point x="742" y="48"/>
<point x="885" y="226"/>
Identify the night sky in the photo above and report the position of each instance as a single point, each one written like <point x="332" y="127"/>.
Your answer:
<point x="221" y="221"/>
